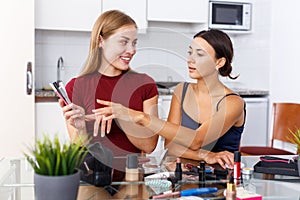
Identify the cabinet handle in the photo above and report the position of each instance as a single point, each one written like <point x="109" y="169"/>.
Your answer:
<point x="29" y="78"/>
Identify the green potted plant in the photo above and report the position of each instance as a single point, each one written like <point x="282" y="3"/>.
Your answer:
<point x="295" y="138"/>
<point x="55" y="168"/>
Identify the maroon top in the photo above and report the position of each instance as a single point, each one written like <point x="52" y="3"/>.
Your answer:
<point x="130" y="89"/>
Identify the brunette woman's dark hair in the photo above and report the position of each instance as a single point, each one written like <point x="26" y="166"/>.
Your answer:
<point x="222" y="45"/>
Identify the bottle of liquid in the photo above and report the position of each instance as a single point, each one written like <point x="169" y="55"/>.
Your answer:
<point x="132" y="171"/>
<point x="132" y="174"/>
<point x="178" y="169"/>
<point x="237" y="166"/>
<point x="231" y="189"/>
<point x="202" y="174"/>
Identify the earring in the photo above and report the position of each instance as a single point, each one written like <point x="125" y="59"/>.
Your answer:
<point x="217" y="68"/>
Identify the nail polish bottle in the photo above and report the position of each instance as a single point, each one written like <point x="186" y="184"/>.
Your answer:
<point x="201" y="172"/>
<point x="231" y="190"/>
<point x="178" y="169"/>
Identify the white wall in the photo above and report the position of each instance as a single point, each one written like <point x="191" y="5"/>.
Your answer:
<point x="162" y="52"/>
<point x="252" y="51"/>
<point x="285" y="70"/>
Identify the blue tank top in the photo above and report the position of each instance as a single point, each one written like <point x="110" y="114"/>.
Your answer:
<point x="230" y="141"/>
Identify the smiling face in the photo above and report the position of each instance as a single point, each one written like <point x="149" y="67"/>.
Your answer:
<point x="118" y="50"/>
<point x="201" y="59"/>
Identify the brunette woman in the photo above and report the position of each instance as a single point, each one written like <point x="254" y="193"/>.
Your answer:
<point x="206" y="118"/>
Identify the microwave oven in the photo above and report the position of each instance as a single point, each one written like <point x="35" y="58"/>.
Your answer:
<point x="231" y="15"/>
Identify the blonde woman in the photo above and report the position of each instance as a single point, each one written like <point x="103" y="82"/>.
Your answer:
<point x="107" y="75"/>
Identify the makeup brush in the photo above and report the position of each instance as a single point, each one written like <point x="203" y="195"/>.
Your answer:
<point x="189" y="192"/>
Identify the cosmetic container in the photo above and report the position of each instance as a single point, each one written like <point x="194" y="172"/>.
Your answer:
<point x="132" y="174"/>
<point x="132" y="170"/>
<point x="247" y="174"/>
<point x="231" y="190"/>
<point x="202" y="173"/>
<point x="178" y="169"/>
<point x="237" y="166"/>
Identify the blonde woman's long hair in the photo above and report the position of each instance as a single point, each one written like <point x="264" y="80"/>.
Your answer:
<point x="106" y="25"/>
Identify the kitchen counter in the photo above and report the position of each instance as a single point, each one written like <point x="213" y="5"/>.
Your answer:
<point x="167" y="88"/>
<point x="50" y="96"/>
<point x="45" y="96"/>
<point x="240" y="91"/>
<point x="251" y="93"/>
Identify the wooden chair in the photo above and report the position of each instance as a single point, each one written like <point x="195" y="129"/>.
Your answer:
<point x="286" y="117"/>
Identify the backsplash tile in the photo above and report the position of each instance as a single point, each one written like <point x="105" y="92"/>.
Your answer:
<point x="50" y="45"/>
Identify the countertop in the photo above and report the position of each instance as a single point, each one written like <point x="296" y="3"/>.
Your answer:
<point x="167" y="88"/>
<point x="50" y="96"/>
<point x="251" y="93"/>
<point x="240" y="91"/>
<point x="45" y="96"/>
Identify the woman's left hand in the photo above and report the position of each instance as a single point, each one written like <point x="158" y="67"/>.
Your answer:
<point x="105" y="115"/>
<point x="223" y="158"/>
<point x="99" y="119"/>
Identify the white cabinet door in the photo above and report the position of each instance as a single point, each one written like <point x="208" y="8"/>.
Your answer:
<point x="137" y="9"/>
<point x="164" y="103"/>
<point x="192" y="11"/>
<point x="50" y="121"/>
<point x="16" y="50"/>
<point x="74" y="15"/>
<point x="256" y="125"/>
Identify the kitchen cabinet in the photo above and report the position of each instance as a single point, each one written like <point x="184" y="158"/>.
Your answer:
<point x="16" y="50"/>
<point x="137" y="9"/>
<point x="193" y="11"/>
<point x="50" y="120"/>
<point x="164" y="103"/>
<point x="74" y="15"/>
<point x="257" y="120"/>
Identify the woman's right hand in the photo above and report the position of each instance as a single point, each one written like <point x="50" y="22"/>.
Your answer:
<point x="73" y="114"/>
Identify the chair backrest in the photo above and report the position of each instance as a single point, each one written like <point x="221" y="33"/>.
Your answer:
<point x="286" y="117"/>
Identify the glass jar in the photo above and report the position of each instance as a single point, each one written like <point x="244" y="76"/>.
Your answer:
<point x="247" y="175"/>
